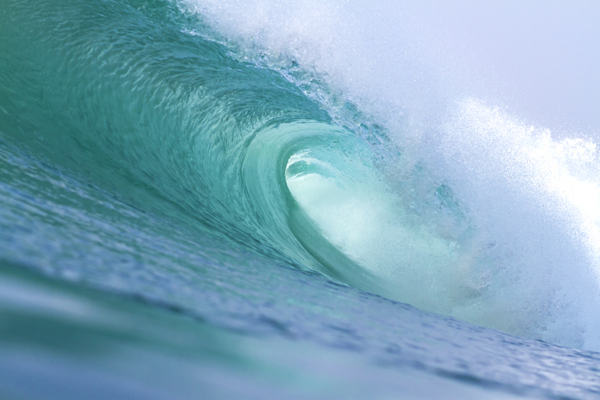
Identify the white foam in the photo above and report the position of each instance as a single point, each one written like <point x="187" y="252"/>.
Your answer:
<point x="539" y="200"/>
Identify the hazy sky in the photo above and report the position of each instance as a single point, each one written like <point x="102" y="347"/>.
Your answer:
<point x="542" y="56"/>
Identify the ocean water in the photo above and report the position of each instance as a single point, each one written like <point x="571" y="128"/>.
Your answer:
<point x="208" y="199"/>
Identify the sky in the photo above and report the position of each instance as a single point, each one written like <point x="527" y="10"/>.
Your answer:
<point x="541" y="57"/>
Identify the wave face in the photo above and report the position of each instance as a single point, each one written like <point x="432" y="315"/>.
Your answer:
<point x="183" y="152"/>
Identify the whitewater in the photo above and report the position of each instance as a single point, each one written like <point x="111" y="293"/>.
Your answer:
<point x="282" y="199"/>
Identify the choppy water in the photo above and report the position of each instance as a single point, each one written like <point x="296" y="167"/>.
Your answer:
<point x="209" y="200"/>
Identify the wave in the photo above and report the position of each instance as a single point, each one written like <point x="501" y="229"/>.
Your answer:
<point x="471" y="212"/>
<point x="277" y="127"/>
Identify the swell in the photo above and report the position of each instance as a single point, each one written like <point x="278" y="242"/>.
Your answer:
<point x="255" y="149"/>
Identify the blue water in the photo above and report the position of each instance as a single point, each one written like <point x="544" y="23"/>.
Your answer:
<point x="203" y="200"/>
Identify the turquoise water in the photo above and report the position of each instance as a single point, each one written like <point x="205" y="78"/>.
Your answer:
<point x="184" y="214"/>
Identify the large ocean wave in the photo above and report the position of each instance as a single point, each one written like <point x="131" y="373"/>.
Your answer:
<point x="181" y="151"/>
<point x="460" y="208"/>
<point x="278" y="130"/>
